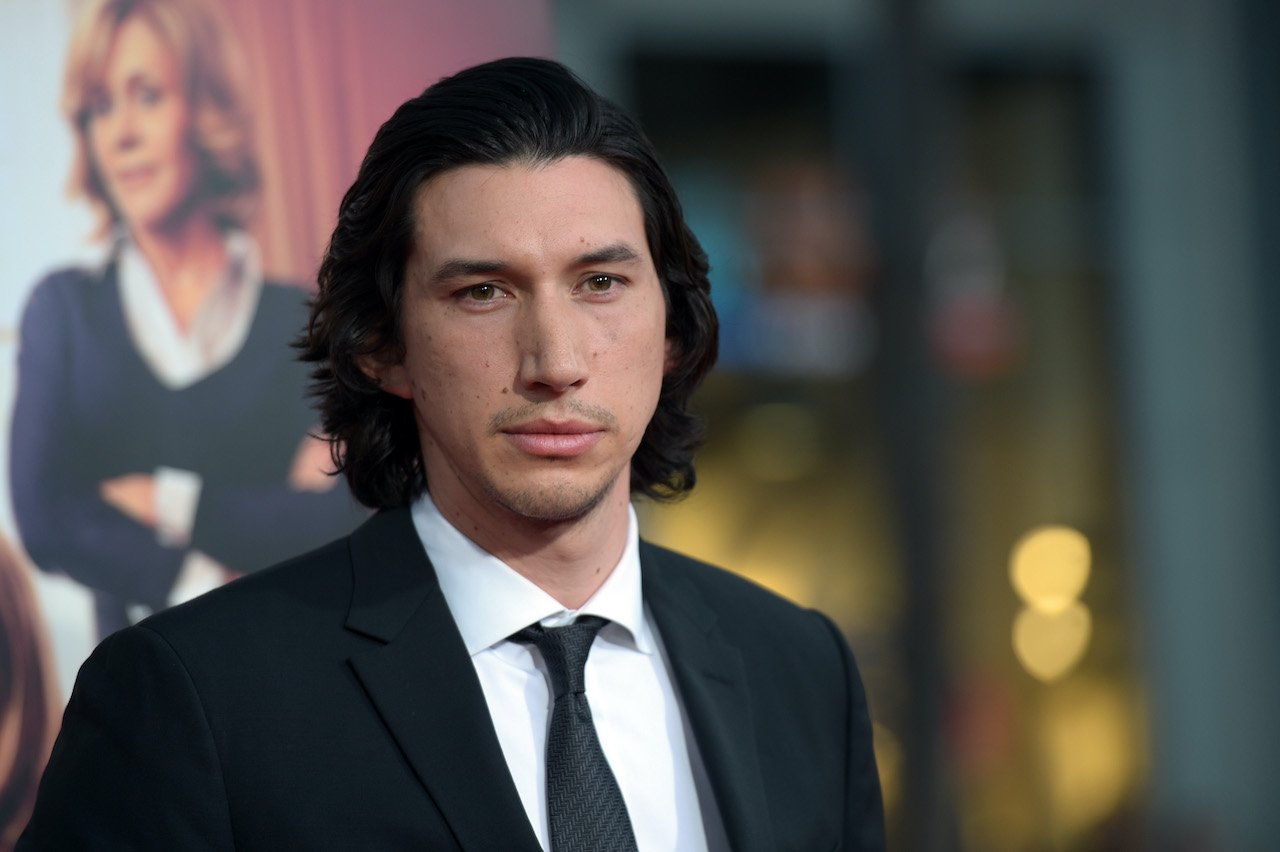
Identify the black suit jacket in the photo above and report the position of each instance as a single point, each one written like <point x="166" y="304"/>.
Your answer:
<point x="329" y="703"/>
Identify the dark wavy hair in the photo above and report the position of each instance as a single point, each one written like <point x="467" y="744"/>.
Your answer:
<point x="513" y="110"/>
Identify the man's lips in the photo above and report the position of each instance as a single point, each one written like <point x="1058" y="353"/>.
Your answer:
<point x="554" y="439"/>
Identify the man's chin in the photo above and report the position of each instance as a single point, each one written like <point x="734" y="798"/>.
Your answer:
<point x="552" y="503"/>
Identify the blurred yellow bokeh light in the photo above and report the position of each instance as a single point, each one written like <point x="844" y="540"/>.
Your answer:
<point x="1050" y="567"/>
<point x="1050" y="644"/>
<point x="1086" y="737"/>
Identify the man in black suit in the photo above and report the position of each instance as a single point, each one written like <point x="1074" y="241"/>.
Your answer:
<point x="511" y="318"/>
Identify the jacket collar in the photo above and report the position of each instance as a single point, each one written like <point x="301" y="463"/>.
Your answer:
<point x="424" y="686"/>
<point x="710" y="675"/>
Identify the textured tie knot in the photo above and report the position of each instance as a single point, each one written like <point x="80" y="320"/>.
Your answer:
<point x="564" y="650"/>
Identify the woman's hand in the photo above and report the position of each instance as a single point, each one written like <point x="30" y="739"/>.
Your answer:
<point x="134" y="494"/>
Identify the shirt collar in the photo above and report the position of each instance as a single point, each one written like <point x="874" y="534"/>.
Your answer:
<point x="490" y="601"/>
<point x="218" y="327"/>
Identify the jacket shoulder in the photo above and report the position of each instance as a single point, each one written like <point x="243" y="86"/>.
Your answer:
<point x="724" y="586"/>
<point x="764" y="624"/>
<point x="284" y="607"/>
<point x="299" y="592"/>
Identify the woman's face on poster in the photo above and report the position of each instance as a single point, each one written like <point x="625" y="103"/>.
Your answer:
<point x="139" y="129"/>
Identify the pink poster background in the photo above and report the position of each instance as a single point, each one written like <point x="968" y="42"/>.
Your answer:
<point x="332" y="71"/>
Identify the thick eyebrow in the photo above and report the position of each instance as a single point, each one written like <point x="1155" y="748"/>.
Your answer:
<point x="451" y="269"/>
<point x="615" y="253"/>
<point x="464" y="268"/>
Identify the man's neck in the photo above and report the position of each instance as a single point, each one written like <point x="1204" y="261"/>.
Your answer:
<point x="569" y="560"/>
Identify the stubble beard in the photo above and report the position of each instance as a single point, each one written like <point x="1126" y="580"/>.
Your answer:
<point x="556" y="503"/>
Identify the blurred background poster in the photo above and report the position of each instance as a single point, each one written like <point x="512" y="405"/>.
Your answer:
<point x="171" y="171"/>
<point x="997" y="390"/>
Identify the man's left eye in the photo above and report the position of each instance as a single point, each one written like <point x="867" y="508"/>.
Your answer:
<point x="481" y="292"/>
<point x="601" y="283"/>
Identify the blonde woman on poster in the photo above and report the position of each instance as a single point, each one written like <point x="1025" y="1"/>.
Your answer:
<point x="161" y="440"/>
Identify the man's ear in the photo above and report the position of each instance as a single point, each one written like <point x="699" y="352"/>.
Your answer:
<point x="391" y="377"/>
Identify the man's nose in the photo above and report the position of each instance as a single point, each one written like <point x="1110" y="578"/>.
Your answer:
<point x="551" y="344"/>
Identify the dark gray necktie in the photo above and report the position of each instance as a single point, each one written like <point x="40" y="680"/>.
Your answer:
<point x="585" y="806"/>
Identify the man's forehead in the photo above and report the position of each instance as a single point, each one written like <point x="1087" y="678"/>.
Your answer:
<point x="577" y="205"/>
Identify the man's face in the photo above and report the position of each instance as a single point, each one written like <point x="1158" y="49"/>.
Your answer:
<point x="535" y="345"/>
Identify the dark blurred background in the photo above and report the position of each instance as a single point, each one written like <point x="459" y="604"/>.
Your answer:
<point x="995" y="386"/>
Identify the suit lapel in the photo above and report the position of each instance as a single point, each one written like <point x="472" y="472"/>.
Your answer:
<point x="425" y="688"/>
<point x="713" y="689"/>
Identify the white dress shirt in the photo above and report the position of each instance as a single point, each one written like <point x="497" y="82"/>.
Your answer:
<point x="637" y="714"/>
